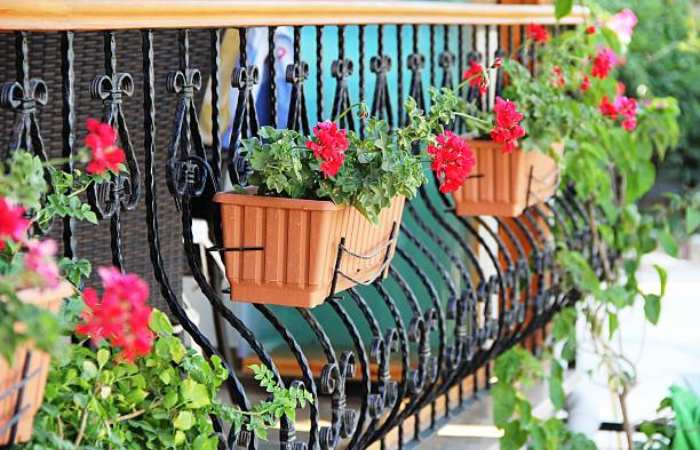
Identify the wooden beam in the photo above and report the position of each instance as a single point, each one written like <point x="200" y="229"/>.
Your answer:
<point x="83" y="15"/>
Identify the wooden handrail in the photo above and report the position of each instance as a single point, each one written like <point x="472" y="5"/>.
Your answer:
<point x="56" y="15"/>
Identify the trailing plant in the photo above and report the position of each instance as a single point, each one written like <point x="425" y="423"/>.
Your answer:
<point x="101" y="398"/>
<point x="610" y="143"/>
<point x="27" y="205"/>
<point x="366" y="170"/>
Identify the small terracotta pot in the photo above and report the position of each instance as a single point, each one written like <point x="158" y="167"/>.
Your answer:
<point x="291" y="247"/>
<point x="506" y="183"/>
<point x="29" y="366"/>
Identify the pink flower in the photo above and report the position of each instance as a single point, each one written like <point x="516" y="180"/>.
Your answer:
<point x="627" y="109"/>
<point x="474" y="75"/>
<point x="101" y="140"/>
<point x="603" y="63"/>
<point x="329" y="147"/>
<point x="507" y="130"/>
<point x="623" y="108"/>
<point x="121" y="316"/>
<point x="623" y="24"/>
<point x="537" y="33"/>
<point x="559" y="80"/>
<point x="40" y="259"/>
<point x="453" y="160"/>
<point x="13" y="224"/>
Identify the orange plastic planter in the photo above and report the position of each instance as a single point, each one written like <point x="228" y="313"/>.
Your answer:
<point x="285" y="251"/>
<point x="507" y="183"/>
<point x="29" y="366"/>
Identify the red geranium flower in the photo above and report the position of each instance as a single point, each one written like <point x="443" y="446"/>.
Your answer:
<point x="453" y="161"/>
<point x="604" y="62"/>
<point x="507" y="130"/>
<point x="475" y="77"/>
<point x="13" y="224"/>
<point x="627" y="109"/>
<point x="101" y="140"/>
<point x="607" y="108"/>
<point x="590" y="29"/>
<point x="624" y="108"/>
<point x="537" y="33"/>
<point x="585" y="83"/>
<point x="121" y="316"/>
<point x="329" y="147"/>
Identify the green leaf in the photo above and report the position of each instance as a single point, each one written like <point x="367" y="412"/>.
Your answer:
<point x="160" y="324"/>
<point x="184" y="420"/>
<point x="562" y="8"/>
<point x="613" y="324"/>
<point x="503" y="395"/>
<point x="668" y="242"/>
<point x="652" y="308"/>
<point x="556" y="387"/>
<point x="663" y="279"/>
<point x="194" y="394"/>
<point x="692" y="219"/>
<point x="102" y="357"/>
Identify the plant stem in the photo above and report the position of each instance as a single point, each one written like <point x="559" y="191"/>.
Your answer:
<point x="626" y="424"/>
<point x="83" y="425"/>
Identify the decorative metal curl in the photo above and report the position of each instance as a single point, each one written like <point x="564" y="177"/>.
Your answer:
<point x="416" y="63"/>
<point x="341" y="69"/>
<point x="298" y="118"/>
<point x="381" y="101"/>
<point x="333" y="380"/>
<point x="121" y="191"/>
<point x="427" y="369"/>
<point x="186" y="173"/>
<point x="245" y="122"/>
<point x="387" y="392"/>
<point x="24" y="96"/>
<point x="446" y="60"/>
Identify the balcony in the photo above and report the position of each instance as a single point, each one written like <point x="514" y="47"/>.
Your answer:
<point x="184" y="82"/>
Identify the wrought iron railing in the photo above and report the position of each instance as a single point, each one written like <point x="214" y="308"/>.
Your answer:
<point x="415" y="346"/>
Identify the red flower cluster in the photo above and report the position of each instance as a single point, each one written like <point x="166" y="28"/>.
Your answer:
<point x="101" y="140"/>
<point x="603" y="63"/>
<point x="453" y="161"/>
<point x="537" y="33"/>
<point x="507" y="130"/>
<point x="627" y="109"/>
<point x="13" y="224"/>
<point x="585" y="83"/>
<point x="329" y="147"/>
<point x="121" y="316"/>
<point x="476" y="77"/>
<point x="590" y="29"/>
<point x="624" y="108"/>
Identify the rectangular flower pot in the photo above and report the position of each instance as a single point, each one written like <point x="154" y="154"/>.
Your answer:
<point x="22" y="383"/>
<point x="294" y="252"/>
<point x="506" y="183"/>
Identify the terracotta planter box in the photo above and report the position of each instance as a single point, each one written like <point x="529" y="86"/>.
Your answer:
<point x="32" y="367"/>
<point x="506" y="183"/>
<point x="291" y="247"/>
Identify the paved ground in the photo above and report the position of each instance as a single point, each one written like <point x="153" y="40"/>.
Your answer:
<point x="664" y="355"/>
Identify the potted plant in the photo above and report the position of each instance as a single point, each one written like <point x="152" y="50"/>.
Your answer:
<point x="32" y="286"/>
<point x="324" y="212"/>
<point x="510" y="176"/>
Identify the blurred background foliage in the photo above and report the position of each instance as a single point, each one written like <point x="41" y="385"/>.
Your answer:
<point x="664" y="58"/>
